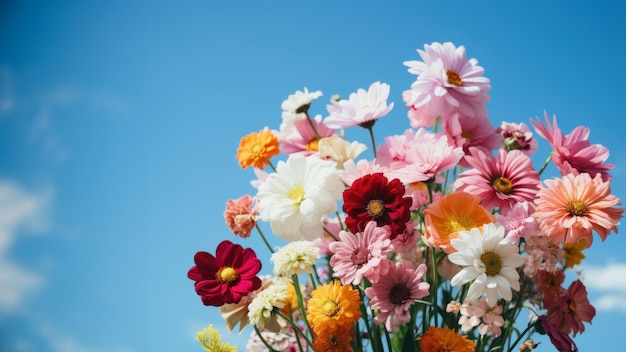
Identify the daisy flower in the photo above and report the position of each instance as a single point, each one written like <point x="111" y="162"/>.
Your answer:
<point x="240" y="216"/>
<point x="501" y="181"/>
<point x="445" y="339"/>
<point x="489" y="261"/>
<point x="226" y="277"/>
<point x="297" y="105"/>
<point x="569" y="209"/>
<point x="211" y="341"/>
<point x="362" y="108"/>
<point x="333" y="307"/>
<point x="294" y="198"/>
<point x="256" y="149"/>
<point x="454" y="212"/>
<point x="570" y="309"/>
<point x="361" y="255"/>
<point x="260" y="310"/>
<point x="295" y="258"/>
<point x="395" y="292"/>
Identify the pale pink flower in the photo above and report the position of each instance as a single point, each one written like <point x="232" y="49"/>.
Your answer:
<point x="478" y="313"/>
<point x="395" y="292"/>
<point x="300" y="137"/>
<point x="569" y="209"/>
<point x="360" y="255"/>
<point x="240" y="215"/>
<point x="574" y="153"/>
<point x="261" y="176"/>
<point x="501" y="181"/>
<point x="518" y="136"/>
<point x="519" y="221"/>
<point x="541" y="254"/>
<point x="464" y="131"/>
<point x="362" y="108"/>
<point x="406" y="240"/>
<point x="570" y="309"/>
<point x="339" y="150"/>
<point x="392" y="153"/>
<point x="352" y="171"/>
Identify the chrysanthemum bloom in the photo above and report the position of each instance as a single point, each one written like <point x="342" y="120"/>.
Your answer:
<point x="519" y="221"/>
<point x="374" y="197"/>
<point x="574" y="253"/>
<point x="361" y="255"/>
<point x="240" y="216"/>
<point x="454" y="212"/>
<point x="445" y="339"/>
<point x="570" y="309"/>
<point x="518" y="137"/>
<point x="362" y="108"/>
<point x="468" y="132"/>
<point x="569" y="209"/>
<point x="334" y="340"/>
<point x="296" y="106"/>
<point x="447" y="81"/>
<point x="574" y="153"/>
<point x="294" y="198"/>
<point x="559" y="339"/>
<point x="295" y="258"/>
<point x="302" y="136"/>
<point x="395" y="292"/>
<point x="392" y="153"/>
<point x="211" y="341"/>
<point x="339" y="150"/>
<point x="489" y="261"/>
<point x="261" y="309"/>
<point x="237" y="313"/>
<point x="333" y="306"/>
<point x="226" y="277"/>
<point x="256" y="149"/>
<point x="501" y="181"/>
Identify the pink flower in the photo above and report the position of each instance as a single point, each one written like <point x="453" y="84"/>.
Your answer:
<point x="240" y="216"/>
<point x="519" y="221"/>
<point x="301" y="136"/>
<point x="395" y="292"/>
<point x="362" y="108"/>
<point x="361" y="255"/>
<point x="518" y="137"/>
<point x="393" y="152"/>
<point x="352" y="171"/>
<point x="464" y="131"/>
<point x="501" y="181"/>
<point x="574" y="153"/>
<point x="570" y="309"/>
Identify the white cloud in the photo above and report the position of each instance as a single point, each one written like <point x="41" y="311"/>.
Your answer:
<point x="606" y="283"/>
<point x="611" y="302"/>
<point x="63" y="342"/>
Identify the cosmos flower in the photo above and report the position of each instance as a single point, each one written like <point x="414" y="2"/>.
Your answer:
<point x="297" y="105"/>
<point x="333" y="307"/>
<point x="256" y="149"/>
<point x="226" y="277"/>
<point x="362" y="108"/>
<point x="240" y="215"/>
<point x="302" y="136"/>
<point x="559" y="339"/>
<point x="570" y="309"/>
<point x="471" y="132"/>
<point x="445" y="339"/>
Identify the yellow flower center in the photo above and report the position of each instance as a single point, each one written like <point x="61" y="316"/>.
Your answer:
<point x="503" y="185"/>
<point x="376" y="208"/>
<point x="571" y="306"/>
<point x="257" y="148"/>
<point x="576" y="208"/>
<point x="467" y="135"/>
<point x="227" y="275"/>
<point x="454" y="78"/>
<point x="460" y="224"/>
<point x="492" y="262"/>
<point x="330" y="308"/>
<point x="312" y="146"/>
<point x="297" y="194"/>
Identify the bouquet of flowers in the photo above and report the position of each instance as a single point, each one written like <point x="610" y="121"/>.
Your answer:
<point x="437" y="242"/>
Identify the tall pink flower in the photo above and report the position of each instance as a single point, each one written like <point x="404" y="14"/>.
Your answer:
<point x="574" y="153"/>
<point x="395" y="292"/>
<point x="362" y="108"/>
<point x="240" y="215"/>
<point x="501" y="181"/>
<point x="569" y="209"/>
<point x="361" y="255"/>
<point x="570" y="309"/>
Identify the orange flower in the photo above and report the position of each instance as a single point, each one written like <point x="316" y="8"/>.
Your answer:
<point x="257" y="149"/>
<point x="459" y="211"/>
<point x="574" y="252"/>
<point x="334" y="341"/>
<point x="437" y="339"/>
<point x="333" y="306"/>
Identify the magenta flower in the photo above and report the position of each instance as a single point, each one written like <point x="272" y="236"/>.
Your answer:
<point x="501" y="181"/>
<point x="570" y="309"/>
<point x="561" y="341"/>
<point x="361" y="255"/>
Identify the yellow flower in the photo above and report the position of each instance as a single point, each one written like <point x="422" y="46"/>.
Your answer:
<point x="437" y="339"/>
<point x="574" y="252"/>
<point x="257" y="149"/>
<point x="333" y="306"/>
<point x="211" y="341"/>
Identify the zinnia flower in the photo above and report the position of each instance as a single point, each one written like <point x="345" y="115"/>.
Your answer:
<point x="256" y="149"/>
<point x="240" y="216"/>
<point x="295" y="258"/>
<point x="294" y="198"/>
<point x="570" y="309"/>
<point x="226" y="277"/>
<point x="500" y="182"/>
<point x="489" y="261"/>
<point x="211" y="341"/>
<point x="569" y="209"/>
<point x="361" y="255"/>
<point x="334" y="340"/>
<point x="437" y="339"/>
<point x="458" y="211"/>
<point x="362" y="108"/>
<point x="374" y="197"/>
<point x="332" y="307"/>
<point x="395" y="292"/>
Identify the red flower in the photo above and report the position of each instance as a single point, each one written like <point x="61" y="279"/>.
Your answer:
<point x="559" y="339"/>
<point x="226" y="277"/>
<point x="570" y="308"/>
<point x="373" y="197"/>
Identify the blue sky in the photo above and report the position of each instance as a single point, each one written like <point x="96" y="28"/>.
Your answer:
<point x="119" y="123"/>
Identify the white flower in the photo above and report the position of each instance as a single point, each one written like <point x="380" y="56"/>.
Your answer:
<point x="298" y="194"/>
<point x="261" y="308"/>
<point x="361" y="107"/>
<point x="339" y="150"/>
<point x="490" y="260"/>
<point x="295" y="258"/>
<point x="295" y="106"/>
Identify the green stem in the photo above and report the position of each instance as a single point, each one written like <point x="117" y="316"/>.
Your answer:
<point x="296" y="285"/>
<point x="296" y="328"/>
<point x="263" y="238"/>
<point x="263" y="340"/>
<point x="519" y="337"/>
<point x="371" y="131"/>
<point x="545" y="164"/>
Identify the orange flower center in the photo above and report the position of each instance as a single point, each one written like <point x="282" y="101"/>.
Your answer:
<point x="297" y="194"/>
<point x="467" y="135"/>
<point x="571" y="306"/>
<point x="460" y="224"/>
<point x="492" y="263"/>
<point x="576" y="208"/>
<point x="454" y="78"/>
<point x="376" y="208"/>
<point x="503" y="185"/>
<point x="360" y="256"/>
<point x="330" y="308"/>
<point x="227" y="275"/>
<point x="399" y="294"/>
<point x="312" y="146"/>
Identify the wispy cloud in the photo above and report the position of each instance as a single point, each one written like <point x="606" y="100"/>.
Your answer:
<point x="606" y="283"/>
<point x="58" y="341"/>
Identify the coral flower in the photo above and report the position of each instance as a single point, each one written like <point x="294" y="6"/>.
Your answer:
<point x="256" y="149"/>
<point x="240" y="216"/>
<point x="362" y="108"/>
<point x="226" y="277"/>
<point x="374" y="197"/>
<point x="332" y="307"/>
<point x="437" y="339"/>
<point x="569" y="209"/>
<point x="501" y="181"/>
<point x="334" y="340"/>
<point x="458" y="211"/>
<point x="570" y="309"/>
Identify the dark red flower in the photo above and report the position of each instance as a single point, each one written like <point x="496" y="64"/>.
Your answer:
<point x="226" y="277"/>
<point x="559" y="339"/>
<point x="374" y="197"/>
